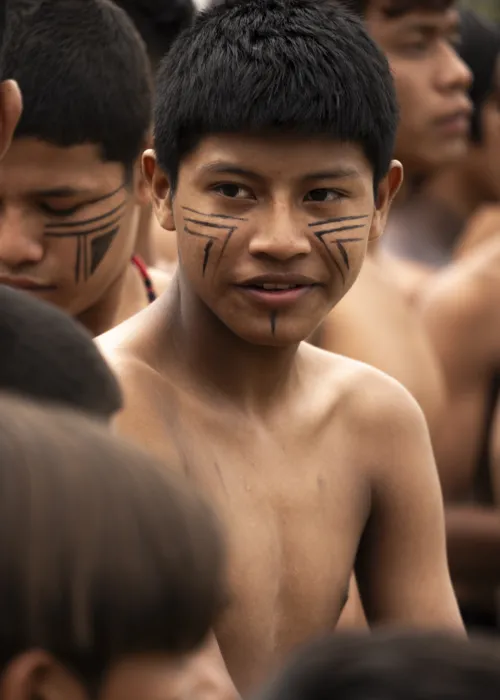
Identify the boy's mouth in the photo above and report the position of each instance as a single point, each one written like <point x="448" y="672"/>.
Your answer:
<point x="278" y="290"/>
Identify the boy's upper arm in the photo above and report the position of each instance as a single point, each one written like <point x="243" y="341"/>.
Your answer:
<point x="402" y="562"/>
<point x="461" y="313"/>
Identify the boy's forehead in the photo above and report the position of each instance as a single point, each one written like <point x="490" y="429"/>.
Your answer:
<point x="397" y="8"/>
<point x="31" y="163"/>
<point x="275" y="155"/>
<point x="389" y="28"/>
<point x="429" y="12"/>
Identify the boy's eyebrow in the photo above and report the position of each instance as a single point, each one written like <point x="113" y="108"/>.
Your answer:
<point x="338" y="173"/>
<point x="229" y="169"/>
<point x="60" y="192"/>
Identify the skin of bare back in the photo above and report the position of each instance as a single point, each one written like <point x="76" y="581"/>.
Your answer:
<point x="460" y="311"/>
<point x="402" y="350"/>
<point x="315" y="463"/>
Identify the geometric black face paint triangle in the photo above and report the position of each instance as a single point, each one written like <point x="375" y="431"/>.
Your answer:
<point x="99" y="246"/>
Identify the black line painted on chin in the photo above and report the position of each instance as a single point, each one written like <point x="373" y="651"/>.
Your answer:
<point x="272" y="317"/>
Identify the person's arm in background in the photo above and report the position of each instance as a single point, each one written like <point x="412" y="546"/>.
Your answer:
<point x="461" y="312"/>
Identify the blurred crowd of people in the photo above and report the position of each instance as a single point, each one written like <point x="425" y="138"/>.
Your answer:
<point x="250" y="344"/>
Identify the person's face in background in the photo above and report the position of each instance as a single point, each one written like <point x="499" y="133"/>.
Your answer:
<point x="67" y="228"/>
<point x="431" y="83"/>
<point x="10" y="112"/>
<point x="483" y="161"/>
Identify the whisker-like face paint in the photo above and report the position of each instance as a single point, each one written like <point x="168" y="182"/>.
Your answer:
<point x="339" y="242"/>
<point x="189" y="227"/>
<point x="91" y="249"/>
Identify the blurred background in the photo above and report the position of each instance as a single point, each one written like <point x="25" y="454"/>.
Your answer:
<point x="490" y="8"/>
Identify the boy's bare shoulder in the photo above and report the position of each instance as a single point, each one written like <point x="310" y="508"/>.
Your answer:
<point x="366" y="398"/>
<point x="137" y="376"/>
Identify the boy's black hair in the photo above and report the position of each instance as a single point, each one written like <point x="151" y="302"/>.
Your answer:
<point x="398" y="8"/>
<point x="84" y="76"/>
<point x="3" y="24"/>
<point x="391" y="666"/>
<point x="159" y="22"/>
<point x="287" y="65"/>
<point x="480" y="50"/>
<point x="104" y="553"/>
<point x="46" y="355"/>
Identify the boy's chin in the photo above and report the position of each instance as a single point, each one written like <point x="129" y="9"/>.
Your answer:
<point x="275" y="334"/>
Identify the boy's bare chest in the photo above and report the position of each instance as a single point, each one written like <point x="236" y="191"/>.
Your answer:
<point x="292" y="508"/>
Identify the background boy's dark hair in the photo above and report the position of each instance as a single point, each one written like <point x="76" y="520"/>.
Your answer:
<point x="480" y="50"/>
<point x="397" y="8"/>
<point x="392" y="666"/>
<point x="104" y="553"/>
<point x="3" y="24"/>
<point x="84" y="75"/>
<point x="298" y="65"/>
<point x="46" y="355"/>
<point x="159" y="22"/>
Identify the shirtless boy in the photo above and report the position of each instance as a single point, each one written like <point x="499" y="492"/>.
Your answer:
<point x="460" y="311"/>
<point x="439" y="213"/>
<point x="374" y="323"/>
<point x="274" y="130"/>
<point x="71" y="178"/>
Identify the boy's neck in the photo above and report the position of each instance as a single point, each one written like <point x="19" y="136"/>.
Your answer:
<point x="205" y="354"/>
<point x="104" y="314"/>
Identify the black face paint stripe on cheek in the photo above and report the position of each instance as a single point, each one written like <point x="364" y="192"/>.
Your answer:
<point x="99" y="246"/>
<point x="206" y="255"/>
<point x="339" y="242"/>
<point x="86" y="222"/>
<point x="211" y="239"/>
<point x="337" y="220"/>
<point x="85" y="232"/>
<point x="90" y="252"/>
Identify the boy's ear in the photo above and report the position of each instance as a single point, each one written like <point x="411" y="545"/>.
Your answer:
<point x="11" y="107"/>
<point x="160" y="190"/>
<point x="36" y="674"/>
<point x="387" y="190"/>
<point x="141" y="189"/>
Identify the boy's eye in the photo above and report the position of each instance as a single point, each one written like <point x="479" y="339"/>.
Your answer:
<point x="417" y="46"/>
<point x="68" y="211"/>
<point x="229" y="189"/>
<point x="322" y="195"/>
